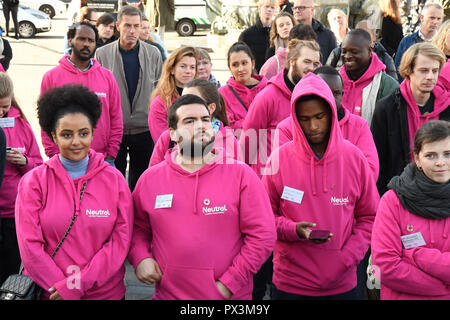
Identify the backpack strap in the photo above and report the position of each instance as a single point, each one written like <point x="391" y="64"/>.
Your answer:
<point x="237" y="96"/>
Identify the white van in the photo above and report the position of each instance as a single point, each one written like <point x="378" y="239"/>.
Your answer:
<point x="190" y="15"/>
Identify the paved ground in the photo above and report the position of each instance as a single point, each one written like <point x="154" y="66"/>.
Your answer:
<point x="33" y="57"/>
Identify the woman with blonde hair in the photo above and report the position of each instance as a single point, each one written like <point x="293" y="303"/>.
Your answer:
<point x="391" y="26"/>
<point x="338" y="22"/>
<point x="279" y="32"/>
<point x="22" y="155"/>
<point x="442" y="39"/>
<point x="179" y="69"/>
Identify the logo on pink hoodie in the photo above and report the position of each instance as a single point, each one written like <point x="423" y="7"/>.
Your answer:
<point x="213" y="210"/>
<point x="97" y="213"/>
<point x="339" y="201"/>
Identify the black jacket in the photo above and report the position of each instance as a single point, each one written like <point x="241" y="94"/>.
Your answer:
<point x="391" y="35"/>
<point x="335" y="60"/>
<point x="287" y="7"/>
<point x="7" y="52"/>
<point x="391" y="135"/>
<point x="2" y="154"/>
<point x="257" y="37"/>
<point x="325" y="38"/>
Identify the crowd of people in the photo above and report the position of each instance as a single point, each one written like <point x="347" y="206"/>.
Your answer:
<point x="324" y="156"/>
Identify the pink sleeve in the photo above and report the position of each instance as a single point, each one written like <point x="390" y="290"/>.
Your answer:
<point x="283" y="132"/>
<point x="157" y="118"/>
<point x="160" y="149"/>
<point x="434" y="262"/>
<point x="38" y="264"/>
<point x="110" y="258"/>
<point x="365" y="209"/>
<point x="286" y="228"/>
<point x="33" y="154"/>
<point x="366" y="144"/>
<point x="396" y="272"/>
<point x="115" y="115"/>
<point x="258" y="227"/>
<point x="142" y="230"/>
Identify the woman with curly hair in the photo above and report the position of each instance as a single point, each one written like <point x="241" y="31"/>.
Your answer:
<point x="78" y="194"/>
<point x="279" y="32"/>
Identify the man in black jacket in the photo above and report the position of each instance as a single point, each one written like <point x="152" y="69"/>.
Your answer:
<point x="398" y="116"/>
<point x="303" y="13"/>
<point x="257" y="36"/>
<point x="2" y="154"/>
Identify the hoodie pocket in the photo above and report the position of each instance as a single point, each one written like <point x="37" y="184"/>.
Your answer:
<point x="189" y="283"/>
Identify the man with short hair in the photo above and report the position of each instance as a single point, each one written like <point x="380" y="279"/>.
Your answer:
<point x="202" y="228"/>
<point x="257" y="37"/>
<point x="136" y="65"/>
<point x="88" y="15"/>
<point x="324" y="198"/>
<point x="398" y="116"/>
<point x="430" y="19"/>
<point x="365" y="80"/>
<point x="80" y="68"/>
<point x="303" y="13"/>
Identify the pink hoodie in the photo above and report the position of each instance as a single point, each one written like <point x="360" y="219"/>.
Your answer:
<point x="354" y="128"/>
<point x="415" y="119"/>
<point x="274" y="64"/>
<point x="337" y="192"/>
<point x="157" y="117"/>
<point x="414" y="274"/>
<point x="100" y="238"/>
<point x="219" y="227"/>
<point x="352" y="97"/>
<point x="109" y="130"/>
<point x="444" y="76"/>
<point x="235" y="110"/>
<point x="224" y="139"/>
<point x="20" y="137"/>
<point x="270" y="106"/>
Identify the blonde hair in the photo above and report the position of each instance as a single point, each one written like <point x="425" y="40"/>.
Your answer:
<point x="294" y="48"/>
<point x="390" y="9"/>
<point x="262" y="2"/>
<point x="424" y="48"/>
<point x="335" y="10"/>
<point x="274" y="30"/>
<point x="166" y="87"/>
<point x="7" y="90"/>
<point x="441" y="36"/>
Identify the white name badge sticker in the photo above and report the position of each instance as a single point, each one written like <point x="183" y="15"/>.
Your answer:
<point x="292" y="194"/>
<point x="7" y="122"/>
<point x="163" y="201"/>
<point x="413" y="240"/>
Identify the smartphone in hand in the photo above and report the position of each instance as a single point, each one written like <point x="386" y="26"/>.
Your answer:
<point x="320" y="235"/>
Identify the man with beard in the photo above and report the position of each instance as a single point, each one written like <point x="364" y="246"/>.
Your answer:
<point x="81" y="68"/>
<point x="202" y="228"/>
<point x="398" y="116"/>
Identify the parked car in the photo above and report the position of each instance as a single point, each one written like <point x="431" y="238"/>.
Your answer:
<point x="50" y="7"/>
<point x="111" y="6"/>
<point x="190" y="15"/>
<point x="30" y="21"/>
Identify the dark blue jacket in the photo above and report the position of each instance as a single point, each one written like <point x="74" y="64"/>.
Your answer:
<point x="406" y="42"/>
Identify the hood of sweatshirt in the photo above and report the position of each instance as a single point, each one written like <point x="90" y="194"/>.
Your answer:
<point x="312" y="84"/>
<point x="66" y="65"/>
<point x="246" y="93"/>
<point x="280" y="84"/>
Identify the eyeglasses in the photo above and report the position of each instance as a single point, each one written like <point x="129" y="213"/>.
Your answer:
<point x="302" y="8"/>
<point x="203" y="63"/>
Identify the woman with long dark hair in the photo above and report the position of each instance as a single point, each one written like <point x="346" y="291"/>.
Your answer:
<point x="391" y="27"/>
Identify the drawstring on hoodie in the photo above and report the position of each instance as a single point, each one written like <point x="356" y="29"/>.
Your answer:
<point x="444" y="234"/>
<point x="196" y="192"/>
<point x="431" y="232"/>
<point x="313" y="176"/>
<point x="324" y="176"/>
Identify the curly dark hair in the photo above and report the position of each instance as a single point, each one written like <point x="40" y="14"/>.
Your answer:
<point x="73" y="30"/>
<point x="60" y="101"/>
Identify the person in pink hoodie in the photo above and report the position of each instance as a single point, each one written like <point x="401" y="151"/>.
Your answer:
<point x="276" y="63"/>
<point x="319" y="183"/>
<point x="271" y="105"/>
<point x="179" y="69"/>
<point x="191" y="238"/>
<point x="243" y="85"/>
<point x="410" y="247"/>
<point x="81" y="68"/>
<point x="79" y="193"/>
<point x="354" y="128"/>
<point x="444" y="76"/>
<point x="22" y="156"/>
<point x="365" y="80"/>
<point x="224" y="138"/>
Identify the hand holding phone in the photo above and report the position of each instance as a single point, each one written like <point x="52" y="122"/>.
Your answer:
<point x="320" y="235"/>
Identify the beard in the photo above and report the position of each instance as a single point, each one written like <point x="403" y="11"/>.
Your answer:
<point x="79" y="56"/>
<point x="297" y="75"/>
<point x="195" y="150"/>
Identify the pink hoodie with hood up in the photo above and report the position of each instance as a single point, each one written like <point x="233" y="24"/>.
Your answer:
<point x="337" y="192"/>
<point x="352" y="97"/>
<point x="235" y="110"/>
<point x="109" y="130"/>
<point x="269" y="107"/>
<point x="418" y="273"/>
<point x="99" y="240"/>
<point x="19" y="137"/>
<point x="354" y="128"/>
<point x="219" y="226"/>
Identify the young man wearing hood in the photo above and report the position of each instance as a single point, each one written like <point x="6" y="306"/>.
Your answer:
<point x="80" y="68"/>
<point x="365" y="80"/>
<point x="319" y="181"/>
<point x="303" y="13"/>
<point x="420" y="98"/>
<point x="202" y="228"/>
